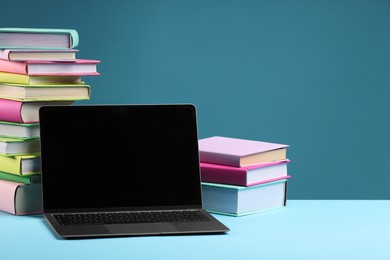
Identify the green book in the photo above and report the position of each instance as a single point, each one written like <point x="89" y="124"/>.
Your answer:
<point x="29" y="179"/>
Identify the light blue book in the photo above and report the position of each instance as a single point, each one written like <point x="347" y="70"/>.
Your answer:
<point x="38" y="38"/>
<point x="239" y="200"/>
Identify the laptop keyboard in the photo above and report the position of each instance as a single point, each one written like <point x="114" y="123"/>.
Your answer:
<point x="130" y="217"/>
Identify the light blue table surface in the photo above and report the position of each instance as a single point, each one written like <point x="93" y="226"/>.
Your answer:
<point x="305" y="229"/>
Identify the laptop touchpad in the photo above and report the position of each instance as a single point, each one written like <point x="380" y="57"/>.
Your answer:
<point x="139" y="229"/>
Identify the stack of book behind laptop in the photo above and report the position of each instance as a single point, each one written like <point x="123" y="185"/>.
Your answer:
<point x="38" y="67"/>
<point x="241" y="177"/>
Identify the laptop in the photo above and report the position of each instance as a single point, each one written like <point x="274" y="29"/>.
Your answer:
<point x="122" y="170"/>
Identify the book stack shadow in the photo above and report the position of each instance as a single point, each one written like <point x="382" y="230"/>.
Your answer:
<point x="38" y="67"/>
<point x="241" y="177"/>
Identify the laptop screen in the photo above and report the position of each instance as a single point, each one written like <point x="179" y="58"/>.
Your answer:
<point x="119" y="157"/>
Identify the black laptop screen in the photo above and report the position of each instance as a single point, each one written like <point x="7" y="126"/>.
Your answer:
<point x="119" y="156"/>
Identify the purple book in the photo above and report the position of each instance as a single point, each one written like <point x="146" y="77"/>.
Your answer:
<point x="239" y="152"/>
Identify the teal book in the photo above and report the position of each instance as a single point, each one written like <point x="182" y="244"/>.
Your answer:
<point x="38" y="38"/>
<point x="239" y="200"/>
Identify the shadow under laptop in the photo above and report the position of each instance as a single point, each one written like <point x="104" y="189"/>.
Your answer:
<point x="137" y="236"/>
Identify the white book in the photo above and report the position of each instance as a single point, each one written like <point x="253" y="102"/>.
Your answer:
<point x="15" y="130"/>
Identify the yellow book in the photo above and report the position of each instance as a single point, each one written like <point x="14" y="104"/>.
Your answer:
<point x="7" y="77"/>
<point x="20" y="164"/>
<point x="43" y="92"/>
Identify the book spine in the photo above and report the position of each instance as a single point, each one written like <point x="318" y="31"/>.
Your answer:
<point x="8" y="194"/>
<point x="4" y="54"/>
<point x="6" y="77"/>
<point x="13" y="67"/>
<point x="10" y="111"/>
<point x="74" y="39"/>
<point x="19" y="198"/>
<point x="11" y="164"/>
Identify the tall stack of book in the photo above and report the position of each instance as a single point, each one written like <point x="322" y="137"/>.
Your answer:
<point x="241" y="177"/>
<point x="38" y="67"/>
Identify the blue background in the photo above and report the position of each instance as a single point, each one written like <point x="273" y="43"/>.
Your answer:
<point x="311" y="74"/>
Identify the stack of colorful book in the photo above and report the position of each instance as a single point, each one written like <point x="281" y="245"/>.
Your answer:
<point x="241" y="177"/>
<point x="38" y="67"/>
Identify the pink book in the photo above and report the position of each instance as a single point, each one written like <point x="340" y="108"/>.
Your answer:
<point x="239" y="152"/>
<point x="24" y="112"/>
<point x="244" y="176"/>
<point x="19" y="198"/>
<point x="78" y="67"/>
<point x="10" y="111"/>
